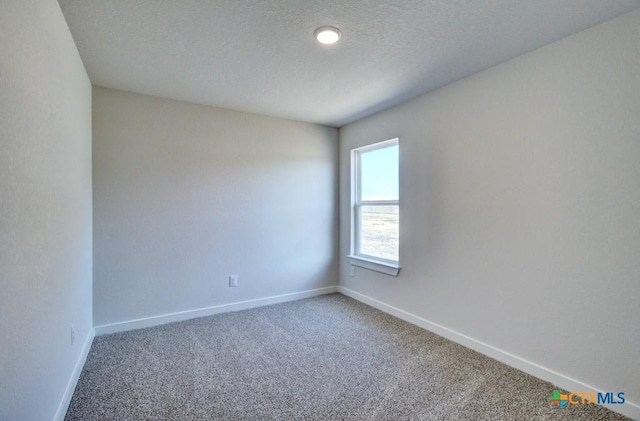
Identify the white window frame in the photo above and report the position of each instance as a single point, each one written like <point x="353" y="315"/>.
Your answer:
<point x="390" y="267"/>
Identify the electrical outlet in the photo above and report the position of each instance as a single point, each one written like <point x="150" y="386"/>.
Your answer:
<point x="353" y="271"/>
<point x="73" y="334"/>
<point x="233" y="280"/>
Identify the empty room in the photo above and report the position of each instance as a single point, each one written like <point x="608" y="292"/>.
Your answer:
<point x="319" y="210"/>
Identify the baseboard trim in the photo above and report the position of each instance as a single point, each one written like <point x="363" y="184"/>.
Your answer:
<point x="209" y="311"/>
<point x="75" y="376"/>
<point x="560" y="380"/>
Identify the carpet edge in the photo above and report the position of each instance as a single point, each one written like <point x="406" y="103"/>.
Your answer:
<point x="629" y="409"/>
<point x="209" y="311"/>
<point x="63" y="407"/>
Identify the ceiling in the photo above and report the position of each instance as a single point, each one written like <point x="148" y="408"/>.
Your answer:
<point x="260" y="56"/>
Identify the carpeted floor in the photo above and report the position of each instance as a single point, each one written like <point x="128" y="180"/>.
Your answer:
<point x="323" y="358"/>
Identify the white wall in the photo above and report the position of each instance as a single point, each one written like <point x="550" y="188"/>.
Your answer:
<point x="45" y="208"/>
<point x="520" y="206"/>
<point x="186" y="195"/>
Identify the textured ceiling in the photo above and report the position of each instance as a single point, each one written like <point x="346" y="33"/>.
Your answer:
<point x="259" y="56"/>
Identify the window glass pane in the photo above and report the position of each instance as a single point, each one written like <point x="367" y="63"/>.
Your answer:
<point x="380" y="233"/>
<point x="379" y="174"/>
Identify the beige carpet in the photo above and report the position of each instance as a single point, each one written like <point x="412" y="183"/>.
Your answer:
<point x="324" y="358"/>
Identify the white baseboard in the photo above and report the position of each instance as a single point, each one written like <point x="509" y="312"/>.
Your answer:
<point x="209" y="311"/>
<point x="562" y="381"/>
<point x="75" y="376"/>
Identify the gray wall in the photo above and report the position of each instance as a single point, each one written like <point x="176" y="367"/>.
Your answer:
<point x="45" y="208"/>
<point x="520" y="206"/>
<point x="186" y="195"/>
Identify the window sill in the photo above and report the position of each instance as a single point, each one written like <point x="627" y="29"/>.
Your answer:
<point x="379" y="266"/>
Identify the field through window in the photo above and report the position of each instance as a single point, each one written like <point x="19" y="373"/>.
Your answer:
<point x="380" y="231"/>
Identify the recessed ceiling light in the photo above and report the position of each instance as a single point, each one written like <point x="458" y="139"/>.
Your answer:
<point x="327" y="35"/>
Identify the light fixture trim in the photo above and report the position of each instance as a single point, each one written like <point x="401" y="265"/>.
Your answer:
<point x="327" y="35"/>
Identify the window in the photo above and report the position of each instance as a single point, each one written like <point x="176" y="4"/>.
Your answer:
<point x="375" y="236"/>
